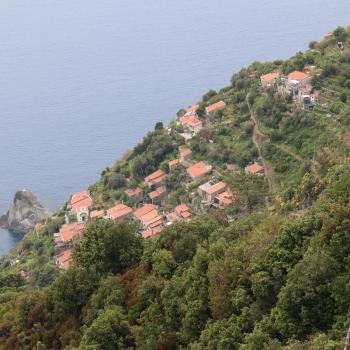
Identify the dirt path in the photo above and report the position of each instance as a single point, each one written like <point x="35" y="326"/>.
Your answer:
<point x="259" y="138"/>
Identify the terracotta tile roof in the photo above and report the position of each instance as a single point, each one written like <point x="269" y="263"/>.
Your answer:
<point x="186" y="214"/>
<point x="192" y="109"/>
<point x="180" y="208"/>
<point x="269" y="76"/>
<point x="173" y="163"/>
<point x="215" y="106"/>
<point x="119" y="211"/>
<point x="220" y="186"/>
<point x="190" y="120"/>
<point x="65" y="259"/>
<point x="139" y="213"/>
<point x="199" y="169"/>
<point x="155" y="178"/>
<point x="148" y="217"/>
<point x="158" y="180"/>
<point x="152" y="232"/>
<point x="296" y="75"/>
<point x="132" y="193"/>
<point x="154" y="175"/>
<point x="226" y="198"/>
<point x="80" y="201"/>
<point x="156" y="223"/>
<point x="185" y="152"/>
<point x="157" y="193"/>
<point x="71" y="231"/>
<point x="254" y="168"/>
<point x="96" y="213"/>
<point x="183" y="211"/>
<point x="149" y="222"/>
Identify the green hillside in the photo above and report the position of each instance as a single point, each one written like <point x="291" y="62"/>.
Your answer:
<point x="267" y="269"/>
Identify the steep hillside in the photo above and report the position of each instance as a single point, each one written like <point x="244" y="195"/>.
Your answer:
<point x="228" y="229"/>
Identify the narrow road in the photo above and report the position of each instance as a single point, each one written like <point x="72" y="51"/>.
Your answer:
<point x="258" y="138"/>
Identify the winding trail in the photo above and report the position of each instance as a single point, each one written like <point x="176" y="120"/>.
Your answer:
<point x="259" y="138"/>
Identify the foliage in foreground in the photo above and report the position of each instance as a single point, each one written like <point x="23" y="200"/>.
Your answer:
<point x="261" y="282"/>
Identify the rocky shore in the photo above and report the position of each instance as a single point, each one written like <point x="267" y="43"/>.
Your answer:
<point x="25" y="212"/>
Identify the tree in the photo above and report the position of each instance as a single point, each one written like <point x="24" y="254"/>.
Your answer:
<point x="115" y="181"/>
<point x="312" y="44"/>
<point x="305" y="304"/>
<point x="340" y="34"/>
<point x="109" y="331"/>
<point x="109" y="247"/>
<point x="207" y="96"/>
<point x="163" y="263"/>
<point x="159" y="126"/>
<point x="108" y="294"/>
<point x="69" y="293"/>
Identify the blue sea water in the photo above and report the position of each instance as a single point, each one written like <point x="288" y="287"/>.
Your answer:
<point x="82" y="81"/>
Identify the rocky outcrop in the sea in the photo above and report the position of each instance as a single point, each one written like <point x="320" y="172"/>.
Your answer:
<point x="24" y="214"/>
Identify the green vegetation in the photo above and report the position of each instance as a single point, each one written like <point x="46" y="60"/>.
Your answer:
<point x="276" y="275"/>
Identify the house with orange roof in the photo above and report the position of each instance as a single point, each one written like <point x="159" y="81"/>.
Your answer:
<point x="268" y="80"/>
<point x="149" y="217"/>
<point x="80" y="203"/>
<point x="191" y="123"/>
<point x="182" y="212"/>
<point x="173" y="163"/>
<point x="199" y="170"/>
<point x="158" y="194"/>
<point x="118" y="212"/>
<point x="185" y="155"/>
<point x="152" y="220"/>
<point x="152" y="232"/>
<point x="94" y="214"/>
<point x="140" y="212"/>
<point x="69" y="232"/>
<point x="297" y="79"/>
<point x="215" y="107"/>
<point x="225" y="199"/>
<point x="64" y="259"/>
<point x="192" y="110"/>
<point x="210" y="190"/>
<point x="255" y="169"/>
<point x="135" y="194"/>
<point x="156" y="178"/>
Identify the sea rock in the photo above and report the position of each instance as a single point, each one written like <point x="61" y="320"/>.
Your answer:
<point x="24" y="214"/>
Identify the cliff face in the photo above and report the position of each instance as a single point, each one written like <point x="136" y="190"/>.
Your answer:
<point x="25" y="212"/>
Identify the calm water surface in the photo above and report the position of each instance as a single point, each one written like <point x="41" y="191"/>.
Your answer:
<point x="82" y="81"/>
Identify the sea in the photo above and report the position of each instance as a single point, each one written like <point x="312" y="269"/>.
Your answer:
<point x="83" y="81"/>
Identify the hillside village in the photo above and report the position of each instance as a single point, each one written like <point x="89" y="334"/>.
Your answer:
<point x="202" y="183"/>
<point x="226" y="229"/>
<point x="220" y="153"/>
<point x="147" y="208"/>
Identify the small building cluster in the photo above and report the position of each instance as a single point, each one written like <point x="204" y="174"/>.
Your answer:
<point x="297" y="83"/>
<point x="216" y="194"/>
<point x="191" y="122"/>
<point x="147" y="199"/>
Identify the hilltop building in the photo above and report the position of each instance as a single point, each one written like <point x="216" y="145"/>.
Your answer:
<point x="80" y="203"/>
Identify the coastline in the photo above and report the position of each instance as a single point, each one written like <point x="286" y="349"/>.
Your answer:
<point x="8" y="241"/>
